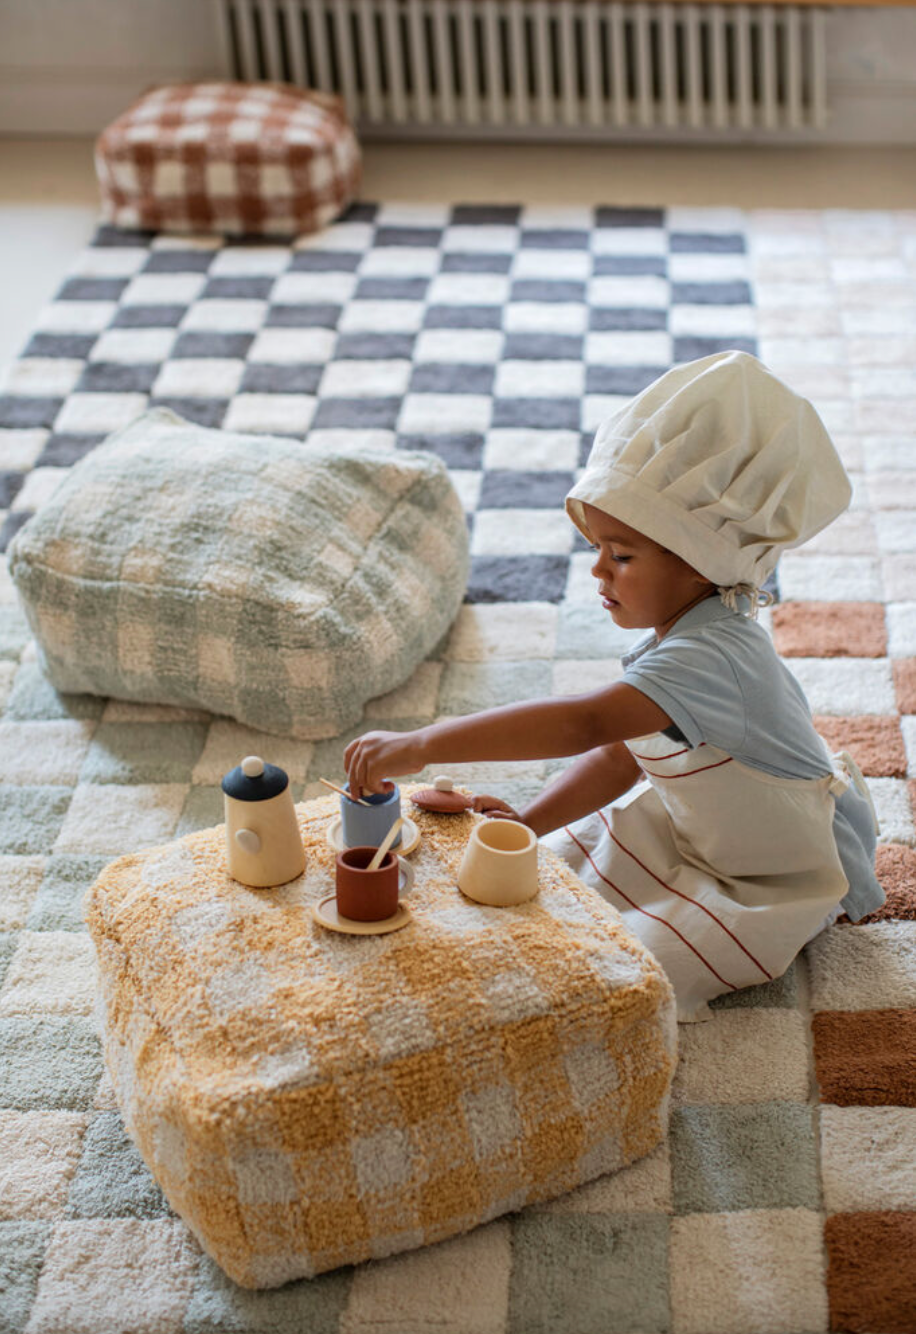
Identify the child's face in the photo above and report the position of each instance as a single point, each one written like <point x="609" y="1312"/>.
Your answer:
<point x="640" y="583"/>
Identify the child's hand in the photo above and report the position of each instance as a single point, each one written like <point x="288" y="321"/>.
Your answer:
<point x="495" y="809"/>
<point x="376" y="756"/>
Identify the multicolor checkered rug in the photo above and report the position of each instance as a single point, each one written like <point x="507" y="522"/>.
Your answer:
<point x="785" y="1197"/>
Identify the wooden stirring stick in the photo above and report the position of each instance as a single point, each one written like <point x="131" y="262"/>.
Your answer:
<point x="389" y="839"/>
<point x="343" y="793"/>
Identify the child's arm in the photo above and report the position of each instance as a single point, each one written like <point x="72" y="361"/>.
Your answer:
<point x="542" y="729"/>
<point x="594" y="780"/>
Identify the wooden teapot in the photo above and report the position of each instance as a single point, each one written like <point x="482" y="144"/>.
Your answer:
<point x="263" y="841"/>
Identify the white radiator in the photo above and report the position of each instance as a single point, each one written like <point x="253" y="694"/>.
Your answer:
<point x="530" y="67"/>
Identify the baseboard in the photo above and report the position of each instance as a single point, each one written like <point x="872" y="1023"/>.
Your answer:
<point x="56" y="101"/>
<point x="871" y="111"/>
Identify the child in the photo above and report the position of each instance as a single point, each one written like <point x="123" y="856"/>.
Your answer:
<point x="704" y="806"/>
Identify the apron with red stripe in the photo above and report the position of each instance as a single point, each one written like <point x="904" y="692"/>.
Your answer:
<point x="723" y="871"/>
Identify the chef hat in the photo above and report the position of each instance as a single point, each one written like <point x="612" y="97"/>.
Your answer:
<point x="721" y="463"/>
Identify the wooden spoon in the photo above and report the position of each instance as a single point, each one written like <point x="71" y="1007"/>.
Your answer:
<point x="334" y="788"/>
<point x="389" y="839"/>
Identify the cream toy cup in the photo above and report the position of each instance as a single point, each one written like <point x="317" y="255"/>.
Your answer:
<point x="366" y="826"/>
<point x="500" y="864"/>
<point x="263" y="842"/>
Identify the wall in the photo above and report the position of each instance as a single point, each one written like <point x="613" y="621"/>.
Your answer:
<point x="871" y="75"/>
<point x="69" y="66"/>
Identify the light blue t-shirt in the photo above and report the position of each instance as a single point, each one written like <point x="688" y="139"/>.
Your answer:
<point x="720" y="680"/>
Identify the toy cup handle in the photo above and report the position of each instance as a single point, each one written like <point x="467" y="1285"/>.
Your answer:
<point x="409" y="875"/>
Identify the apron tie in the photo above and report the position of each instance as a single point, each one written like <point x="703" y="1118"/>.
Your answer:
<point x="758" y="597"/>
<point x="850" y="771"/>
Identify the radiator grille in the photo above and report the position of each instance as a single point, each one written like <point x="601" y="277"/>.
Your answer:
<point x="530" y="66"/>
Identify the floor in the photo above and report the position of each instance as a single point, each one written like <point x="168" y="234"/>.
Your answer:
<point x="821" y="1176"/>
<point x="48" y="193"/>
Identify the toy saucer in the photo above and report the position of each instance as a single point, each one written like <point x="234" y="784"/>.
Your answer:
<point x="410" y="836"/>
<point x="326" y="914"/>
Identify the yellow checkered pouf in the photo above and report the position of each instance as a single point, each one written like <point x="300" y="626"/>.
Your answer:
<point x="308" y="1099"/>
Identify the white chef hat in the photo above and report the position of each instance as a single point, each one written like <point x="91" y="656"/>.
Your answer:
<point x="721" y="463"/>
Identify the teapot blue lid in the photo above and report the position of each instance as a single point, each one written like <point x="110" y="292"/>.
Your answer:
<point x="254" y="780"/>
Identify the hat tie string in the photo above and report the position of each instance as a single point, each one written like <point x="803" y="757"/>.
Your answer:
<point x="758" y="597"/>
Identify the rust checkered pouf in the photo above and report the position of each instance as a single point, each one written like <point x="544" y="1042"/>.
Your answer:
<point x="242" y="158"/>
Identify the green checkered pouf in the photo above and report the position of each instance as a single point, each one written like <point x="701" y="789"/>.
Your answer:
<point x="243" y="575"/>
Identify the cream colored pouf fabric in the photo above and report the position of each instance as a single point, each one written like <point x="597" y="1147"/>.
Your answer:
<point x="280" y="584"/>
<point x="308" y="1099"/>
<point x="236" y="158"/>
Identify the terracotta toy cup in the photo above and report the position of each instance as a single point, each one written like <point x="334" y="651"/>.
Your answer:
<point x="500" y="864"/>
<point x="364" y="895"/>
<point x="365" y="826"/>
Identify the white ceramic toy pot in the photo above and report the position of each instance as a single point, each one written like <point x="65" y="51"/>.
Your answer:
<point x="263" y="842"/>
<point x="500" y="864"/>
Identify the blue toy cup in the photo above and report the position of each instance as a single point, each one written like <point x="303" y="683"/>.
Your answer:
<point x="366" y="826"/>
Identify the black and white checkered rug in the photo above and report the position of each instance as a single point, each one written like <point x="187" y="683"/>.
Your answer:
<point x="496" y="337"/>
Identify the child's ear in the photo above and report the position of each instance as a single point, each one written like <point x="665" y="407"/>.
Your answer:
<point x="701" y="581"/>
<point x="695" y="573"/>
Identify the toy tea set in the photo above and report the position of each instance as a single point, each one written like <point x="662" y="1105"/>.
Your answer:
<point x="264" y="848"/>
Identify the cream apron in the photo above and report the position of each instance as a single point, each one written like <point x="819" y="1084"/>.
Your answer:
<point x="723" y="871"/>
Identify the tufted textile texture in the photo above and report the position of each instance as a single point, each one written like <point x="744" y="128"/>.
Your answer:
<point x="496" y="336"/>
<point x="308" y="1100"/>
<point x="251" y="158"/>
<point x="281" y="586"/>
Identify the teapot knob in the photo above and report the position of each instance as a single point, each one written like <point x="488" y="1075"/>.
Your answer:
<point x="252" y="766"/>
<point x="248" y="841"/>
